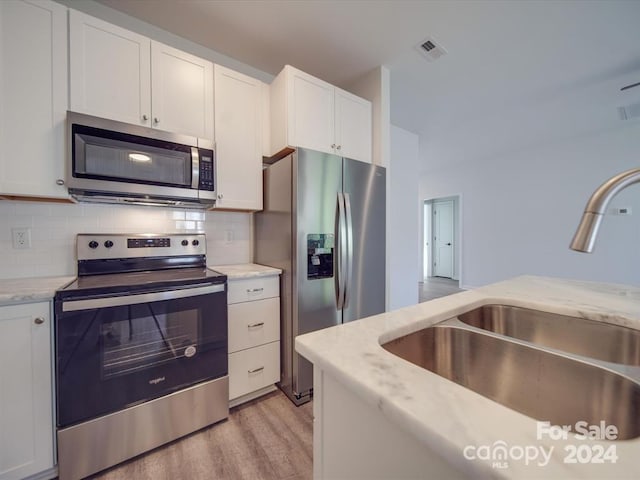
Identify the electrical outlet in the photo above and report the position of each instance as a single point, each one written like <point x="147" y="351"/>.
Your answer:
<point x="21" y="238"/>
<point x="228" y="236"/>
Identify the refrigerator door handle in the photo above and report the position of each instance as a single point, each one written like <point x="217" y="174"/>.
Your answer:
<point x="348" y="268"/>
<point x="341" y="252"/>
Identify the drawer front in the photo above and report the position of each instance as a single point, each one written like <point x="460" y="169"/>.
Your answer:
<point x="253" y="369"/>
<point x="254" y="323"/>
<point x="250" y="289"/>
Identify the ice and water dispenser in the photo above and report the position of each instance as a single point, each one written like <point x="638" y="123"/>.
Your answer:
<point x="320" y="247"/>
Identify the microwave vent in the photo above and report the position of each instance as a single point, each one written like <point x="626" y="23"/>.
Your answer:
<point x="430" y="49"/>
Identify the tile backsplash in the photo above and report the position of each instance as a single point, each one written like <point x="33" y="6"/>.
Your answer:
<point x="54" y="228"/>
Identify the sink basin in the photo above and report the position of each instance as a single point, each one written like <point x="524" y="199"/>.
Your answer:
<point x="602" y="341"/>
<point x="538" y="383"/>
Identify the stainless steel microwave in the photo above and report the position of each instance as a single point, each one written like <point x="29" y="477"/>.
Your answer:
<point x="115" y="162"/>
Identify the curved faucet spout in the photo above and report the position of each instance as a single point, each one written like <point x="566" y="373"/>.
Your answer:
<point x="585" y="236"/>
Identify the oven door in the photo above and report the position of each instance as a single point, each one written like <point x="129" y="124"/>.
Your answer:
<point x="115" y="352"/>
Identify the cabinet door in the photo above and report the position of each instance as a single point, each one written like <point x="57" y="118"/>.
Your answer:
<point x="33" y="97"/>
<point x="353" y="126"/>
<point x="109" y="70"/>
<point x="253" y="369"/>
<point x="310" y="112"/>
<point x="182" y="87"/>
<point x="26" y="419"/>
<point x="238" y="119"/>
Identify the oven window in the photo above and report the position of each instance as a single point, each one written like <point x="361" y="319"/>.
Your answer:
<point x="132" y="344"/>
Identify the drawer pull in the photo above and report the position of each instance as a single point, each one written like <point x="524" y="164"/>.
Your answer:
<point x="256" y="370"/>
<point x="255" y="290"/>
<point x="255" y="325"/>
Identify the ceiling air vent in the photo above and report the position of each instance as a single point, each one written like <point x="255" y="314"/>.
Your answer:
<point x="430" y="49"/>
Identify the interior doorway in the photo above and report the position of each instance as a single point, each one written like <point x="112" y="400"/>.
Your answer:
<point x="441" y="252"/>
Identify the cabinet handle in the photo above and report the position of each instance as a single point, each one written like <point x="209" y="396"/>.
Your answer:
<point x="220" y="196"/>
<point x="59" y="182"/>
<point x="339" y="147"/>
<point x="255" y="325"/>
<point x="145" y="117"/>
<point x="38" y="320"/>
<point x="256" y="370"/>
<point x="333" y="145"/>
<point x="254" y="290"/>
<point x="156" y="120"/>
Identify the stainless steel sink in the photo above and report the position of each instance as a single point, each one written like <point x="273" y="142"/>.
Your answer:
<point x="541" y="384"/>
<point x="602" y="341"/>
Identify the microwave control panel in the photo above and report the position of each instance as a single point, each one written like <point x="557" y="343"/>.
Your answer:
<point x="206" y="170"/>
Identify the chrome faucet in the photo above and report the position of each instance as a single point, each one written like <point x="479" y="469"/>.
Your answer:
<point x="585" y="236"/>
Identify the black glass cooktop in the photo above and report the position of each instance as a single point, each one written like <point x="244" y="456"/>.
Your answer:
<point x="136" y="282"/>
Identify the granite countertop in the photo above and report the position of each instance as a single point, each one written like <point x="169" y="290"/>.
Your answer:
<point x="447" y="417"/>
<point x="29" y="290"/>
<point x="245" y="270"/>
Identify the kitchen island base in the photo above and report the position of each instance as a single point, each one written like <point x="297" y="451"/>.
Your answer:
<point x="352" y="439"/>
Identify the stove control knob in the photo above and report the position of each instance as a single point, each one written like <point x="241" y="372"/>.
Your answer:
<point x="185" y="243"/>
<point x="108" y="244"/>
<point x="93" y="244"/>
<point x="195" y="243"/>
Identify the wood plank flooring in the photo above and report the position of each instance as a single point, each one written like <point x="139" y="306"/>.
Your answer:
<point x="268" y="438"/>
<point x="436" y="287"/>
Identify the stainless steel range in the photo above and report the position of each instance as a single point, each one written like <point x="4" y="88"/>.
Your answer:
<point x="141" y="348"/>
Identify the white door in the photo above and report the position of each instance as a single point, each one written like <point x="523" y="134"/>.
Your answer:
<point x="443" y="240"/>
<point x="182" y="92"/>
<point x="109" y="70"/>
<point x="26" y="398"/>
<point x="353" y="126"/>
<point x="310" y="112"/>
<point x="33" y="98"/>
<point x="238" y="119"/>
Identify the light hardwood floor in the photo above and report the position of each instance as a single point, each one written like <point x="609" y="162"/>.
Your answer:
<point x="436" y="287"/>
<point x="268" y="438"/>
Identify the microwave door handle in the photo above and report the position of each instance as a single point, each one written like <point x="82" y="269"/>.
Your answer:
<point x="195" y="168"/>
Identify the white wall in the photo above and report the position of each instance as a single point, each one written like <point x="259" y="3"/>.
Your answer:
<point x="54" y="227"/>
<point x="521" y="209"/>
<point x="375" y="86"/>
<point x="403" y="221"/>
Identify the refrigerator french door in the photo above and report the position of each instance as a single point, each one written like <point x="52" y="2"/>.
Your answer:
<point x="323" y="224"/>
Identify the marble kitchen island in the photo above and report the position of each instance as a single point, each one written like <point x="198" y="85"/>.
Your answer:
<point x="378" y="416"/>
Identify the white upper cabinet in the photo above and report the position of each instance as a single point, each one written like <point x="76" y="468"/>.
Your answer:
<point x="109" y="70"/>
<point x="121" y="75"/>
<point x="33" y="98"/>
<point x="308" y="112"/>
<point x="239" y="143"/>
<point x="182" y="92"/>
<point x="353" y="126"/>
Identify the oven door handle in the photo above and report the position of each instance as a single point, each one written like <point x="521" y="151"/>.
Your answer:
<point x="117" y="301"/>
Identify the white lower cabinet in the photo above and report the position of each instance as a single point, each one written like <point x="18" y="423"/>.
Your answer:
<point x="254" y="337"/>
<point x="253" y="369"/>
<point x="26" y="396"/>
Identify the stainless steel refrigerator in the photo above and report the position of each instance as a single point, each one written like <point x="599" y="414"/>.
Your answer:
<point x="323" y="224"/>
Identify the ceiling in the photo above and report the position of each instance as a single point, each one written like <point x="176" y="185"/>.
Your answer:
<point x="504" y="58"/>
